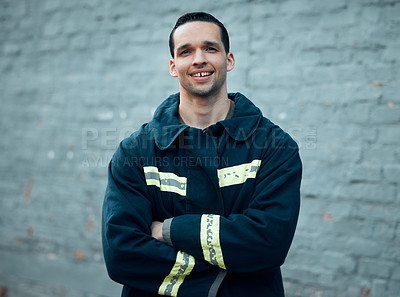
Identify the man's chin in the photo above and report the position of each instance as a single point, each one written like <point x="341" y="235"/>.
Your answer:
<point x="203" y="92"/>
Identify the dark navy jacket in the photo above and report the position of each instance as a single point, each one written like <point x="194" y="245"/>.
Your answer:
<point x="229" y="196"/>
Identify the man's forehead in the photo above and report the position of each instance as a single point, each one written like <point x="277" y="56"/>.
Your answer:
<point x="198" y="30"/>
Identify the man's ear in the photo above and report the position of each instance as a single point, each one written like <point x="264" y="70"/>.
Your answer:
<point x="172" y="69"/>
<point x="230" y="61"/>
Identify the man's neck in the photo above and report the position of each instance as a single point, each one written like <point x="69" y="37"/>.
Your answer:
<point x="201" y="112"/>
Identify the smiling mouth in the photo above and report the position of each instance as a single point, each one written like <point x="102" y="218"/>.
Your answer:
<point x="202" y="74"/>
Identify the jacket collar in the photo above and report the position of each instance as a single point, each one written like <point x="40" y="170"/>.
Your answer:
<point x="245" y="119"/>
<point x="166" y="126"/>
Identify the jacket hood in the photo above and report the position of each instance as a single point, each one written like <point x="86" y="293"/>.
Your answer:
<point x="166" y="126"/>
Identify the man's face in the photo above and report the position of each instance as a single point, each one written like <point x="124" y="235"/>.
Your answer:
<point x="200" y="61"/>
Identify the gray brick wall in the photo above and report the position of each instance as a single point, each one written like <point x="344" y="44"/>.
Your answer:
<point x="78" y="76"/>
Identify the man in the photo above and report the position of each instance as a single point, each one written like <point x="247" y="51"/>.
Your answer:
<point x="203" y="200"/>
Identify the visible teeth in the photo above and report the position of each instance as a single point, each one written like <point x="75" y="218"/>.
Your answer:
<point x="201" y="74"/>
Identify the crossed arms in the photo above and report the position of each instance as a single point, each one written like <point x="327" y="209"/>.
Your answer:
<point x="200" y="245"/>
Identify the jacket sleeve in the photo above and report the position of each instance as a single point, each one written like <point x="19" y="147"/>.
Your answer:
<point x="260" y="237"/>
<point x="132" y="256"/>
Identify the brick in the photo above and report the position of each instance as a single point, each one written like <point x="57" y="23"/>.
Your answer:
<point x="367" y="55"/>
<point x="32" y="267"/>
<point x="382" y="216"/>
<point x="363" y="247"/>
<point x="319" y="75"/>
<point x="11" y="49"/>
<point x="355" y="38"/>
<point x="370" y="136"/>
<point x="370" y="14"/>
<point x="391" y="13"/>
<point x="348" y="153"/>
<point x="393" y="288"/>
<point x="313" y="188"/>
<point x="392" y="173"/>
<point x="285" y="76"/>
<point x="51" y="6"/>
<point x="19" y="9"/>
<point x="317" y="113"/>
<point x="349" y="72"/>
<point x="340" y="18"/>
<point x="374" y="268"/>
<point x="97" y="41"/>
<point x="263" y="9"/>
<point x="73" y="25"/>
<point x="389" y="135"/>
<point x="331" y="7"/>
<point x="296" y="7"/>
<point x="327" y="279"/>
<point x="356" y="113"/>
<point x="363" y="173"/>
<point x="339" y="227"/>
<point x="79" y="42"/>
<point x="366" y="93"/>
<point x="338" y="262"/>
<point x="8" y="24"/>
<point x="53" y="26"/>
<point x="386" y="36"/>
<point x="379" y="75"/>
<point x="91" y="4"/>
<point x="396" y="273"/>
<point x="71" y="5"/>
<point x="303" y="22"/>
<point x="316" y="39"/>
<point x="310" y="278"/>
<point x="390" y="54"/>
<point x="368" y="192"/>
<point x="334" y="56"/>
<point x="385" y="115"/>
<point x="380" y="154"/>
<point x="370" y="2"/>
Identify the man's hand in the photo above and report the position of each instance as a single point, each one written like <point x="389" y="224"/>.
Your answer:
<point x="156" y="230"/>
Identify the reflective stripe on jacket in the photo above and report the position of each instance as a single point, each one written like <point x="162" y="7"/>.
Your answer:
<point x="229" y="196"/>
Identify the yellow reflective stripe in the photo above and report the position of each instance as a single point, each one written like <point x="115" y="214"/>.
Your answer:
<point x="166" y="181"/>
<point x="153" y="182"/>
<point x="183" y="266"/>
<point x="209" y="238"/>
<point x="238" y="174"/>
<point x="166" y="188"/>
<point x="150" y="169"/>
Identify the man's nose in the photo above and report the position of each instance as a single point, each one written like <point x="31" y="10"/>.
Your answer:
<point x="199" y="58"/>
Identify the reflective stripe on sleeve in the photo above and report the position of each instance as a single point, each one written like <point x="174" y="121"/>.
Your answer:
<point x="183" y="266"/>
<point x="209" y="238"/>
<point x="166" y="181"/>
<point x="238" y="174"/>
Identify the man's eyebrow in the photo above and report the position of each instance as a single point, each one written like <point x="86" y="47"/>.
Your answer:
<point x="211" y="43"/>
<point x="206" y="42"/>
<point x="183" y="46"/>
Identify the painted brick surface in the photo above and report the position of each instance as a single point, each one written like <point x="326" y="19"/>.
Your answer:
<point x="76" y="77"/>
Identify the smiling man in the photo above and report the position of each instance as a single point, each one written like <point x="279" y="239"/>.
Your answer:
<point x="200" y="61"/>
<point x="204" y="199"/>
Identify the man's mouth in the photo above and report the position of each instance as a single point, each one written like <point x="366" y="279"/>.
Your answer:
<point x="202" y="74"/>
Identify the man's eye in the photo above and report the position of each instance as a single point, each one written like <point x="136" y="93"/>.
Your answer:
<point x="184" y="52"/>
<point x="211" y="49"/>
